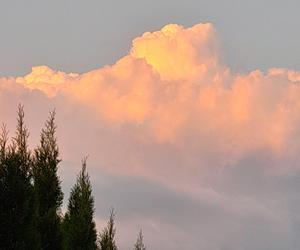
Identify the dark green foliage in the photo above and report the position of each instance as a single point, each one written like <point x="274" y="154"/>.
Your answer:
<point x="47" y="187"/>
<point x="107" y="237"/>
<point x="79" y="226"/>
<point x="139" y="245"/>
<point x="18" y="203"/>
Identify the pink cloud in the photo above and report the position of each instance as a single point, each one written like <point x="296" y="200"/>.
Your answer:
<point x="171" y="90"/>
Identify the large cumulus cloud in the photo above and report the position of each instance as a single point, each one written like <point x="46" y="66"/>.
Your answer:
<point x="222" y="146"/>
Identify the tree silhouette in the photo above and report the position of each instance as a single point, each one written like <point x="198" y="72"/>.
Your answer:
<point x="47" y="186"/>
<point x="79" y="225"/>
<point x="139" y="245"/>
<point x="107" y="237"/>
<point x="31" y="198"/>
<point x="18" y="204"/>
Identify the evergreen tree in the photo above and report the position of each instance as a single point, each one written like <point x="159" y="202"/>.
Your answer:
<point x="139" y="245"/>
<point x="47" y="187"/>
<point x="3" y="142"/>
<point x="18" y="203"/>
<point x="79" y="226"/>
<point x="107" y="237"/>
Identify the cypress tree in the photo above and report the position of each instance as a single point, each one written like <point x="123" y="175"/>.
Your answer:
<point x="79" y="226"/>
<point x="107" y="237"/>
<point x="139" y="245"/>
<point x="5" y="231"/>
<point x="47" y="186"/>
<point x="3" y="142"/>
<point x="18" y="203"/>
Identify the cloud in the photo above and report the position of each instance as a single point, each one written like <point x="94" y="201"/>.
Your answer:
<point x="176" y="53"/>
<point x="45" y="79"/>
<point x="172" y="88"/>
<point x="216" y="143"/>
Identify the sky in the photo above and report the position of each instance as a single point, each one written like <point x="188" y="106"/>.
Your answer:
<point x="189" y="112"/>
<point x="71" y="35"/>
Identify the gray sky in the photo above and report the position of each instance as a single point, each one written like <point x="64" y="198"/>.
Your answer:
<point x="77" y="35"/>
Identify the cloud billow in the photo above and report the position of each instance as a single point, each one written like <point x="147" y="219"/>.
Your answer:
<point x="170" y="112"/>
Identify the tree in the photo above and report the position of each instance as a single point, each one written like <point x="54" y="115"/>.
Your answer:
<point x="79" y="226"/>
<point x="3" y="142"/>
<point x="47" y="186"/>
<point x="107" y="237"/>
<point x="18" y="204"/>
<point x="139" y="245"/>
